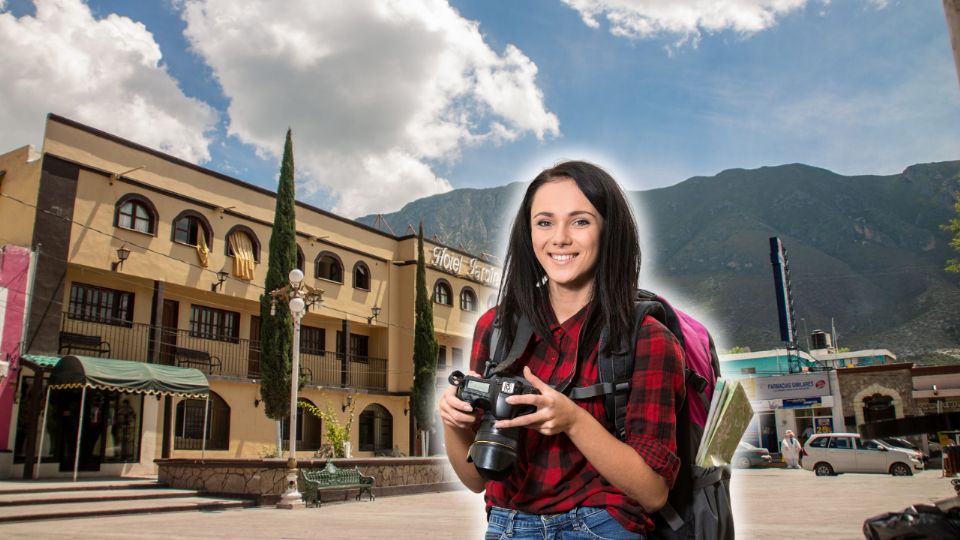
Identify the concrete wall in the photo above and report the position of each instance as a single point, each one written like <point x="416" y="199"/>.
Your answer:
<point x="20" y="184"/>
<point x="266" y="479"/>
<point x="892" y="380"/>
<point x="14" y="278"/>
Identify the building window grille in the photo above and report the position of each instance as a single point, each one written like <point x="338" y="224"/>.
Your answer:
<point x="442" y="293"/>
<point x="376" y="429"/>
<point x="99" y="304"/>
<point x="189" y="424"/>
<point x="468" y="300"/>
<point x="361" y="276"/>
<point x="215" y="324"/>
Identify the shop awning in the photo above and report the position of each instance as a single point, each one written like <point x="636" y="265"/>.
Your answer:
<point x="38" y="361"/>
<point x="127" y="376"/>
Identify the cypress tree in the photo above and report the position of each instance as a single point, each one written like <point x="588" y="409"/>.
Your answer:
<point x="953" y="227"/>
<point x="276" y="331"/>
<point x="424" y="349"/>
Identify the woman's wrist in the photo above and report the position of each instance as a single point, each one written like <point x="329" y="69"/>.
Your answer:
<point x="581" y="419"/>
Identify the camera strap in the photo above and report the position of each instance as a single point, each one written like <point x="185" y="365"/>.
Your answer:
<point x="521" y="339"/>
<point x="500" y="362"/>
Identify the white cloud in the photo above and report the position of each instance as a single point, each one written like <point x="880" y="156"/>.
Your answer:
<point x="377" y="93"/>
<point x="103" y="72"/>
<point x="685" y="19"/>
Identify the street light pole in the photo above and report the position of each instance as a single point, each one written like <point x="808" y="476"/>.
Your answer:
<point x="299" y="297"/>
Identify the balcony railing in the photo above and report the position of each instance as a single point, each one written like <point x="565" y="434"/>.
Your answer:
<point x="239" y="358"/>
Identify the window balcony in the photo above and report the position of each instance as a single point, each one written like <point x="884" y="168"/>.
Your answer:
<point x="234" y="358"/>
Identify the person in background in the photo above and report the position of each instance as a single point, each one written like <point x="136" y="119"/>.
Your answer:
<point x="790" y="450"/>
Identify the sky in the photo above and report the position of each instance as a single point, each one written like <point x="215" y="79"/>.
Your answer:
<point x="394" y="100"/>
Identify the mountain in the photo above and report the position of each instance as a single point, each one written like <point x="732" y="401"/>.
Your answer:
<point x="866" y="251"/>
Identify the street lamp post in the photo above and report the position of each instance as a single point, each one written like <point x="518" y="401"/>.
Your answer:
<point x="299" y="297"/>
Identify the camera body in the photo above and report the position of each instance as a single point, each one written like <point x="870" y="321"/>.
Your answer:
<point x="494" y="450"/>
<point x="491" y="394"/>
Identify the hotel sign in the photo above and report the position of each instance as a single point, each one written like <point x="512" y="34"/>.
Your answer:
<point x="458" y="265"/>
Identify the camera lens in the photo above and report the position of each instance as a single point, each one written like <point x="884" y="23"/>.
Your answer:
<point x="494" y="450"/>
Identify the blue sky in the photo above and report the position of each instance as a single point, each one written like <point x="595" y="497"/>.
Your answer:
<point x="394" y="101"/>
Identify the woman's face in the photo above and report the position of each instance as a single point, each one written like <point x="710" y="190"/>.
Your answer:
<point x="565" y="234"/>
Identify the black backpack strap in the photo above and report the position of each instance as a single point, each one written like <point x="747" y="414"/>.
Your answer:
<point x="616" y="367"/>
<point x="670" y="515"/>
<point x="694" y="380"/>
<point x="599" y="389"/>
<point x="494" y="348"/>
<point x="499" y="363"/>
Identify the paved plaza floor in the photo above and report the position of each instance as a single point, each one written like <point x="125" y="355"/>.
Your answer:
<point x="769" y="504"/>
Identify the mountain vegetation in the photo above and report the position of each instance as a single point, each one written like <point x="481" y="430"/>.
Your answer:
<point x="866" y="252"/>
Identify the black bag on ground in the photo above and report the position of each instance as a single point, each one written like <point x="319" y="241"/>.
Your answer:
<point x="919" y="522"/>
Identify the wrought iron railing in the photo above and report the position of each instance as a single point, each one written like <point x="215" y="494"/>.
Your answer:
<point x="238" y="358"/>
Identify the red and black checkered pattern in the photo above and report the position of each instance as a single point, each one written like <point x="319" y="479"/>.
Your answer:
<point x="551" y="475"/>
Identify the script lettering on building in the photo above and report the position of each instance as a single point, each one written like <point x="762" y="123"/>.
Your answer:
<point x="453" y="263"/>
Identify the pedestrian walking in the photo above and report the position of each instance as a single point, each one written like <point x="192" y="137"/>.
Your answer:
<point x="790" y="449"/>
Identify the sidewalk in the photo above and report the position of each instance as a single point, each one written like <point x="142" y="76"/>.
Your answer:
<point x="439" y="516"/>
<point x="768" y="504"/>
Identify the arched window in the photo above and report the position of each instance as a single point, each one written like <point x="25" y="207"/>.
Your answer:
<point x="442" y="293"/>
<point x="309" y="428"/>
<point x="188" y="430"/>
<point x="329" y="267"/>
<point x="137" y="213"/>
<point x="246" y="239"/>
<point x="376" y="429"/>
<point x="189" y="227"/>
<point x="244" y="247"/>
<point x="301" y="260"/>
<point x="468" y="299"/>
<point x="361" y="276"/>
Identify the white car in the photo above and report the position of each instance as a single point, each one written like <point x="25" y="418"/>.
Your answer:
<point x="834" y="453"/>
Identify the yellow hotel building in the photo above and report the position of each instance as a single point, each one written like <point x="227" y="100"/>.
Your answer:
<point x="193" y="244"/>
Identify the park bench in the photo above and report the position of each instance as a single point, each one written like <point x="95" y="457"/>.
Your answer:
<point x="199" y="359"/>
<point x="331" y="478"/>
<point x="70" y="342"/>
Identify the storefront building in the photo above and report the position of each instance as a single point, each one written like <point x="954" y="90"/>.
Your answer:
<point x="873" y="393"/>
<point x="144" y="257"/>
<point x="805" y="403"/>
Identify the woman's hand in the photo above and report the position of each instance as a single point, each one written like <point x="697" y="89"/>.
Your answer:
<point x="454" y="412"/>
<point x="556" y="413"/>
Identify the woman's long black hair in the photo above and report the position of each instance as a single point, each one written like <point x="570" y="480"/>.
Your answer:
<point x="524" y="291"/>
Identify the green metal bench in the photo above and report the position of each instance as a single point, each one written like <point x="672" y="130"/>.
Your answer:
<point x="332" y="478"/>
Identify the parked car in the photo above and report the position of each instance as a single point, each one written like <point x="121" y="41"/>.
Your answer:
<point x="834" y="453"/>
<point x="748" y="455"/>
<point x="903" y="443"/>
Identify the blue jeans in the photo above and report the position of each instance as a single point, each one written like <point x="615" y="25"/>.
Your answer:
<point x="578" y="524"/>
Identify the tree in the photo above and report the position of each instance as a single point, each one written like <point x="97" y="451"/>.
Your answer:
<point x="276" y="331"/>
<point x="424" y="352"/>
<point x="953" y="227"/>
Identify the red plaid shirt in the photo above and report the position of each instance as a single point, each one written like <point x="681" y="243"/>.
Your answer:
<point x="551" y="475"/>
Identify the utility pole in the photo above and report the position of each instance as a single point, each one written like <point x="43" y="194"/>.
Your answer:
<point x="951" y="9"/>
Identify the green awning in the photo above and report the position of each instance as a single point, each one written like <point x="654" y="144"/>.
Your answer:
<point x="125" y="376"/>
<point x="40" y="361"/>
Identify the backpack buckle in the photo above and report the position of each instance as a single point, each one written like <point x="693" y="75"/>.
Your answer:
<point x="694" y="379"/>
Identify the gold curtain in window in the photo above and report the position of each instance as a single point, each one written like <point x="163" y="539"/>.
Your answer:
<point x="202" y="250"/>
<point x="242" y="249"/>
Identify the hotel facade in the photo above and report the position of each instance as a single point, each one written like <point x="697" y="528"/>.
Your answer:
<point x="138" y="256"/>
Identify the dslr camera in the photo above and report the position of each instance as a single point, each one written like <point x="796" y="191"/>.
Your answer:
<point x="494" y="450"/>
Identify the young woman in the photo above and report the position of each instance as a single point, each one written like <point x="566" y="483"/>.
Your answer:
<point x="572" y="267"/>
